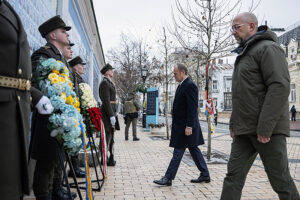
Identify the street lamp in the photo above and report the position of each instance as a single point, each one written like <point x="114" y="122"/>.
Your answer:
<point x="144" y="76"/>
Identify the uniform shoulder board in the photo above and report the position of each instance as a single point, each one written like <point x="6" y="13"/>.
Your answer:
<point x="46" y="47"/>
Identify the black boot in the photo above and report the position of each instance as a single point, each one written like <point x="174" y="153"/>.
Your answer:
<point x="47" y="197"/>
<point x="78" y="172"/>
<point x="59" y="193"/>
<point x="111" y="161"/>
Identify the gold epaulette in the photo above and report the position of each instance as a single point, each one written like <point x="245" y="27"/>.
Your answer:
<point x="46" y="47"/>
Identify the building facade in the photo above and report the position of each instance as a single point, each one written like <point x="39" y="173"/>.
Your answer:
<point x="290" y="43"/>
<point x="80" y="15"/>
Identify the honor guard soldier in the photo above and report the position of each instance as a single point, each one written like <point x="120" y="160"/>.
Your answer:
<point x="44" y="147"/>
<point x="107" y="93"/>
<point x="78" y="67"/>
<point x="16" y="95"/>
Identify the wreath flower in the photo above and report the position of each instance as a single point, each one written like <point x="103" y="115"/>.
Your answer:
<point x="90" y="111"/>
<point x="52" y="77"/>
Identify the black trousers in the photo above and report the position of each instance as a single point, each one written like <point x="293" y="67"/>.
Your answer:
<point x="176" y="159"/>
<point x="43" y="176"/>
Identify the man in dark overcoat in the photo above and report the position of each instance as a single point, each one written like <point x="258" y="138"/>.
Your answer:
<point x="16" y="95"/>
<point x="186" y="131"/>
<point x="107" y="93"/>
<point x="44" y="147"/>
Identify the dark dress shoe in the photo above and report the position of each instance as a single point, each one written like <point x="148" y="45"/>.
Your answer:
<point x="201" y="179"/>
<point x="111" y="163"/>
<point x="163" y="181"/>
<point x="126" y="138"/>
<point x="62" y="194"/>
<point x="78" y="173"/>
<point x="136" y="139"/>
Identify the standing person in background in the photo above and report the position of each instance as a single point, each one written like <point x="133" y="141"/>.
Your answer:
<point x="259" y="122"/>
<point x="186" y="131"/>
<point x="107" y="93"/>
<point x="16" y="98"/>
<point x="131" y="111"/>
<point x="293" y="111"/>
<point x="216" y="116"/>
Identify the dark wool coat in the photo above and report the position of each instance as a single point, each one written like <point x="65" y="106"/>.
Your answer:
<point x="14" y="106"/>
<point x="43" y="146"/>
<point x="185" y="113"/>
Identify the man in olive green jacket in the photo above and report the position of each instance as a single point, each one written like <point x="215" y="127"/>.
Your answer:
<point x="131" y="109"/>
<point x="259" y="121"/>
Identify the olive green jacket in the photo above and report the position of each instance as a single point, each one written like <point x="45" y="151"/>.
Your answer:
<point x="131" y="106"/>
<point x="260" y="87"/>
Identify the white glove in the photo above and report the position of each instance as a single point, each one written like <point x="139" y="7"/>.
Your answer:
<point x="44" y="106"/>
<point x="113" y="120"/>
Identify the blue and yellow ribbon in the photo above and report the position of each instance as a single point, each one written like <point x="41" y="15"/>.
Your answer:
<point x="88" y="182"/>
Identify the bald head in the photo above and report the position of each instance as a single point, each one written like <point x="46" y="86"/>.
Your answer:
<point x="248" y="18"/>
<point x="244" y="26"/>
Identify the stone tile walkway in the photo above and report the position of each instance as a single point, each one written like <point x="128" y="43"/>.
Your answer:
<point x="139" y="163"/>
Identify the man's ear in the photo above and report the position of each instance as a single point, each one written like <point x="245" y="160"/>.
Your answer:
<point x="252" y="26"/>
<point x="52" y="35"/>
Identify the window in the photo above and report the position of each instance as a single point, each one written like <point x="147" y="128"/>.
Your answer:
<point x="227" y="84"/>
<point x="292" y="93"/>
<point x="227" y="101"/>
<point x="215" y="86"/>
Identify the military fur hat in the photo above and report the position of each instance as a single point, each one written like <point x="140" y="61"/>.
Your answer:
<point x="75" y="61"/>
<point x="106" y="68"/>
<point x="52" y="24"/>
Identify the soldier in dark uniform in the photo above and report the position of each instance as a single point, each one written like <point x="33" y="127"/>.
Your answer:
<point x="77" y="65"/>
<point x="107" y="93"/>
<point x="44" y="148"/>
<point x="16" y="95"/>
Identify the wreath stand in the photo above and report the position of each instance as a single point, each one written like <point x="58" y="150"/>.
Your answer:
<point x="65" y="177"/>
<point x="99" y="181"/>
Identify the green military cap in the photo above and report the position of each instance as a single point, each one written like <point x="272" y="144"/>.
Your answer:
<point x="75" y="61"/>
<point x="106" y="68"/>
<point x="52" y="24"/>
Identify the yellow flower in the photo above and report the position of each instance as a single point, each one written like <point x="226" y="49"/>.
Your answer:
<point x="71" y="85"/>
<point x="66" y="69"/>
<point x="76" y="104"/>
<point x="77" y="123"/>
<point x="52" y="76"/>
<point x="63" y="96"/>
<point x="70" y="100"/>
<point x="61" y="79"/>
<point x="78" y="109"/>
<point x="54" y="81"/>
<point x="55" y="71"/>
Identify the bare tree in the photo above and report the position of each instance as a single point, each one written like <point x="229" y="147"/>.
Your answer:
<point x="165" y="46"/>
<point x="203" y="28"/>
<point x="129" y="58"/>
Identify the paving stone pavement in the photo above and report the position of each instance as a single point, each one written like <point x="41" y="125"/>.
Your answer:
<point x="141" y="162"/>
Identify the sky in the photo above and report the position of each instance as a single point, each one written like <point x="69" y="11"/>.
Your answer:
<point x="143" y="17"/>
